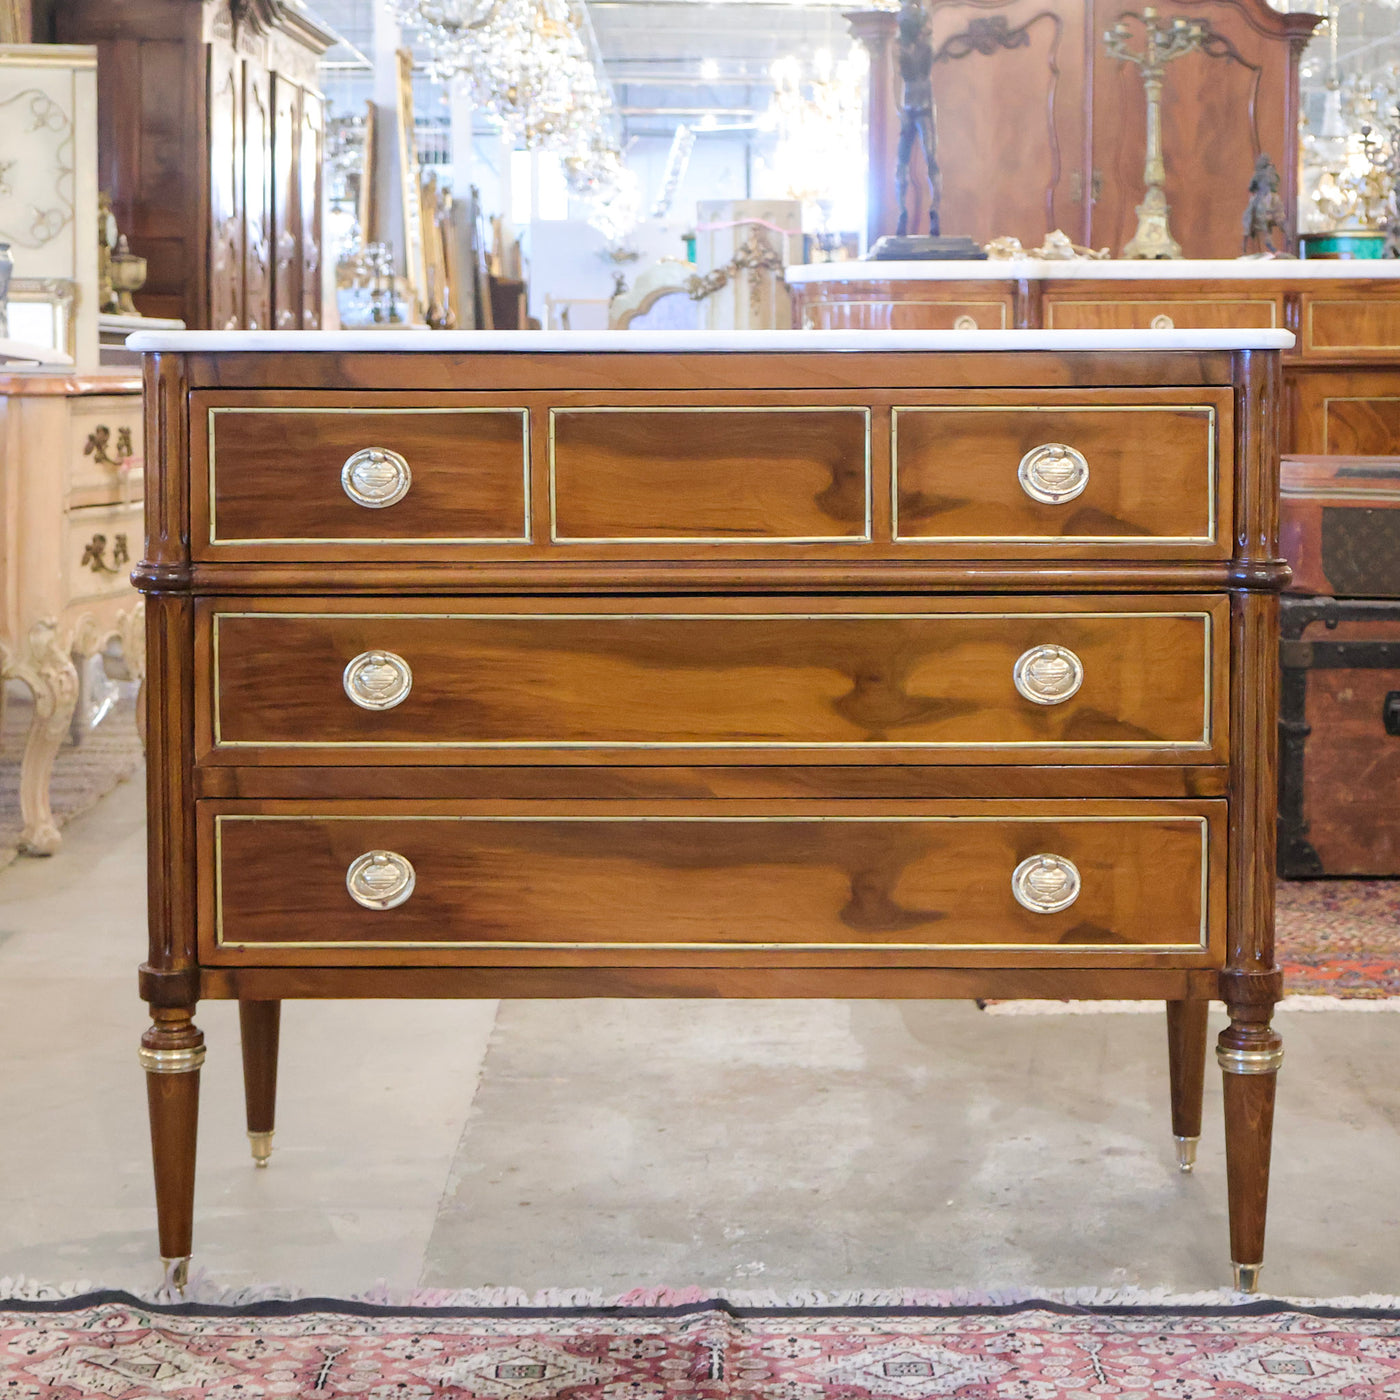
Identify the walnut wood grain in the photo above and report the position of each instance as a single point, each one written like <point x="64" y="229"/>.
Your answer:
<point x="933" y="880"/>
<point x="629" y="474"/>
<point x="1155" y="474"/>
<point x="615" y="782"/>
<point x="775" y="680"/>
<point x="965" y="983"/>
<point x="899" y="890"/>
<point x="276" y="473"/>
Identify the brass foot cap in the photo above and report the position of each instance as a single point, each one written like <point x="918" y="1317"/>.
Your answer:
<point x="1186" y="1153"/>
<point x="261" y="1145"/>
<point x="1246" y="1277"/>
<point x="177" y="1272"/>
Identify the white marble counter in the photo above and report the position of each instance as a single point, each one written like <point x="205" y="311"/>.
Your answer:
<point x="1035" y="269"/>
<point x="696" y="342"/>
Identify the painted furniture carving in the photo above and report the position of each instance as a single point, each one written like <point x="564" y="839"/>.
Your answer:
<point x="70" y="528"/>
<point x="822" y="666"/>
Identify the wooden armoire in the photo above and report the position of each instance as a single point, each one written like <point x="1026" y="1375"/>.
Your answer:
<point x="1039" y="127"/>
<point x="210" y="140"/>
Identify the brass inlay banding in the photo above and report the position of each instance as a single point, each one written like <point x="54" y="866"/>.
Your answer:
<point x="1049" y="540"/>
<point x="1204" y="742"/>
<point x="1202" y="943"/>
<point x="1270" y="302"/>
<point x="243" y="541"/>
<point x="171" y="1061"/>
<point x="1234" y="1061"/>
<point x="1310" y="337"/>
<point x="1327" y="423"/>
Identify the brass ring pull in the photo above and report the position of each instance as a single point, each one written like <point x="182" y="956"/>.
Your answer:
<point x="1163" y="323"/>
<point x="1053" y="473"/>
<point x="1047" y="675"/>
<point x="380" y="879"/>
<point x="1045" y="884"/>
<point x="375" y="478"/>
<point x="378" y="680"/>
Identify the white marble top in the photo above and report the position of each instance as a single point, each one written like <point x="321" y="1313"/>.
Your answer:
<point x="1036" y="269"/>
<point x="693" y="342"/>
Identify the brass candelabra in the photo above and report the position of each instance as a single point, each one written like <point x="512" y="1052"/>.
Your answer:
<point x="1163" y="42"/>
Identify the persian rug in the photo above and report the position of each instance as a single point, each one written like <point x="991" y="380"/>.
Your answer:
<point x="1338" y="943"/>
<point x="111" y="1345"/>
<point x="1339" y="938"/>
<point x="82" y="775"/>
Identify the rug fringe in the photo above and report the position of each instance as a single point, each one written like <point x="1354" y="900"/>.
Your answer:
<point x="203" y="1289"/>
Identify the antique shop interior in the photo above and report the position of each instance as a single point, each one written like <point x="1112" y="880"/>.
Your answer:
<point x="970" y="281"/>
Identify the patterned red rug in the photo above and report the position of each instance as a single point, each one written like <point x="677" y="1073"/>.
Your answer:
<point x="110" y="1345"/>
<point x="1339" y="938"/>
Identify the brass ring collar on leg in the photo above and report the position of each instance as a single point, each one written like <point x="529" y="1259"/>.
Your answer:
<point x="1234" y="1061"/>
<point x="171" y="1061"/>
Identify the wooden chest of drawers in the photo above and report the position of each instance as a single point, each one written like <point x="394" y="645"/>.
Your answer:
<point x="799" y="665"/>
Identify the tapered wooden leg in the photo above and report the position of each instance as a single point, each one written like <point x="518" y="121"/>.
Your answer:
<point x="171" y="1053"/>
<point x="259" y="1022"/>
<point x="1250" y="1053"/>
<point x="1186" y="1056"/>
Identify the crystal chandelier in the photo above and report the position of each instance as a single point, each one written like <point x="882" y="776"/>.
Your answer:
<point x="535" y="67"/>
<point x="819" y="156"/>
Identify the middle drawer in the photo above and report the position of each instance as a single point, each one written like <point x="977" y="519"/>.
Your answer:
<point x="780" y="680"/>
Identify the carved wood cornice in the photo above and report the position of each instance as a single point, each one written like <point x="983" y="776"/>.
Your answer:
<point x="290" y="17"/>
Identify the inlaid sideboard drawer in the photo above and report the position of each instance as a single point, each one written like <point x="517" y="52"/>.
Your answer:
<point x="306" y="476"/>
<point x="823" y="680"/>
<point x="1363" y="326"/>
<point x="1100" y="883"/>
<point x="1196" y="314"/>
<point x="1148" y="476"/>
<point x="105" y="450"/>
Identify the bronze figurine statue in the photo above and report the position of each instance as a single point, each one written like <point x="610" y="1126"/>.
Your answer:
<point x="1263" y="215"/>
<point x="916" y="117"/>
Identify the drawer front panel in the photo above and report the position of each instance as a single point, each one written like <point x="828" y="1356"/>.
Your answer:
<point x="1237" y="313"/>
<point x="992" y="680"/>
<point x="1134" y="477"/>
<point x="101" y="547"/>
<point x="939" y="881"/>
<point x="837" y="314"/>
<point x="105" y="450"/>
<point x="1361" y="326"/>
<point x="712" y="475"/>
<point x="287" y="478"/>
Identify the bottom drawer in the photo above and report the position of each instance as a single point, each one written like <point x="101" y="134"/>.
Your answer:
<point x="1095" y="884"/>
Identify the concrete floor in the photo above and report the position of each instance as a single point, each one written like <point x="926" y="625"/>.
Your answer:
<point x="612" y="1145"/>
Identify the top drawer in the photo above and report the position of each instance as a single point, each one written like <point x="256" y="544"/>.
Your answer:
<point x="866" y="475"/>
<point x="292" y="477"/>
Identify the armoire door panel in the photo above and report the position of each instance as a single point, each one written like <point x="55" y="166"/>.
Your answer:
<point x="1009" y="87"/>
<point x="286" y="204"/>
<point x="257" y="197"/>
<point x="1221" y="108"/>
<point x="310" y="152"/>
<point x="225" y="189"/>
